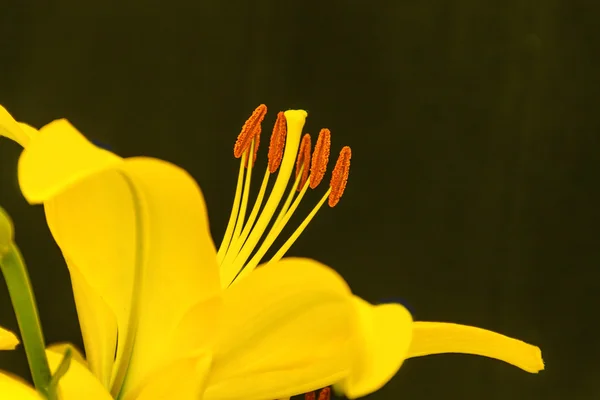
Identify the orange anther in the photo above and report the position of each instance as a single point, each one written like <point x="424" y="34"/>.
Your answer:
<point x="320" y="158"/>
<point x="277" y="142"/>
<point x="325" y="394"/>
<point x="250" y="129"/>
<point x="303" y="160"/>
<point x="310" y="396"/>
<point x="339" y="176"/>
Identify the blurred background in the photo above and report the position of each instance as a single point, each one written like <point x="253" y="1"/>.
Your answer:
<point x="473" y="194"/>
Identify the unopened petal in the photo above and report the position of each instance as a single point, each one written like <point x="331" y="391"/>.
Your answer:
<point x="286" y="329"/>
<point x="384" y="335"/>
<point x="438" y="337"/>
<point x="12" y="387"/>
<point x="8" y="340"/>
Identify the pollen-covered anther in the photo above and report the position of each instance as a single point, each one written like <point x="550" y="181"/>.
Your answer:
<point x="250" y="130"/>
<point x="325" y="394"/>
<point x="277" y="144"/>
<point x="339" y="176"/>
<point x="320" y="158"/>
<point x="303" y="160"/>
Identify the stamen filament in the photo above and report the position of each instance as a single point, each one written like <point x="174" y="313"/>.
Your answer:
<point x="286" y="246"/>
<point x="272" y="235"/>
<point x="234" y="212"/>
<point x="245" y="192"/>
<point x="235" y="245"/>
<point x="295" y="121"/>
<point x="289" y="198"/>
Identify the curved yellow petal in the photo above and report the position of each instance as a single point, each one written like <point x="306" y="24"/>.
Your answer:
<point x="12" y="387"/>
<point x="135" y="231"/>
<point x="438" y="337"/>
<point x="13" y="130"/>
<point x="286" y="329"/>
<point x="98" y="325"/>
<point x="56" y="158"/>
<point x="198" y="329"/>
<point x="384" y="335"/>
<point x="182" y="379"/>
<point x="79" y="382"/>
<point x="180" y="260"/>
<point x="8" y="340"/>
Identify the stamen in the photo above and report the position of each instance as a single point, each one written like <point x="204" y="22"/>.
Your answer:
<point x="286" y="205"/>
<point x="245" y="192"/>
<point x="310" y="396"/>
<point x="320" y="158"/>
<point x="285" y="150"/>
<point x="286" y="246"/>
<point x="325" y="394"/>
<point x="302" y="161"/>
<point x="275" y="154"/>
<point x="225" y="243"/>
<point x="250" y="129"/>
<point x="230" y="268"/>
<point x="272" y="235"/>
<point x="277" y="142"/>
<point x="339" y="176"/>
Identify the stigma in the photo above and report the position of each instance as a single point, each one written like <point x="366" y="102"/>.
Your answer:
<point x="249" y="236"/>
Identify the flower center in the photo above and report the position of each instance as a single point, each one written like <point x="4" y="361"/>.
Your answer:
<point x="287" y="147"/>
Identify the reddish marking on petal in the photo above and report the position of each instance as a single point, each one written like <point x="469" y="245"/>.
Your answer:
<point x="277" y="142"/>
<point x="320" y="158"/>
<point x="310" y="396"/>
<point x="250" y="129"/>
<point x="303" y="160"/>
<point x="339" y="176"/>
<point x="325" y="394"/>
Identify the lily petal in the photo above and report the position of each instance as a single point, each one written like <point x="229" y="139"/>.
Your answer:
<point x="8" y="340"/>
<point x="98" y="323"/>
<point x="385" y="334"/>
<point x="135" y="230"/>
<point x="20" y="133"/>
<point x="79" y="382"/>
<point x="182" y="379"/>
<point x="41" y="176"/>
<point x="12" y="387"/>
<point x="438" y="337"/>
<point x="286" y="329"/>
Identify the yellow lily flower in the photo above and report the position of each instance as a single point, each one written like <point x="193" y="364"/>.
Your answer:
<point x="164" y="315"/>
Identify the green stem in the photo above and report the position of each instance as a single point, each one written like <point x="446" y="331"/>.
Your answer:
<point x="23" y="300"/>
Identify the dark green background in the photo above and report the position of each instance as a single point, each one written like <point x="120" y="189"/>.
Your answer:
<point x="473" y="194"/>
